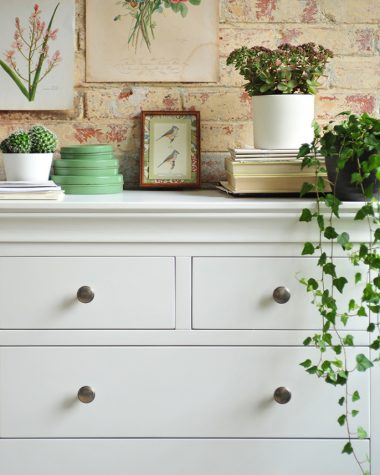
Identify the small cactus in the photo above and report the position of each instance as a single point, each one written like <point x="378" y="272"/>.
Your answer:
<point x="18" y="142"/>
<point x="42" y="139"/>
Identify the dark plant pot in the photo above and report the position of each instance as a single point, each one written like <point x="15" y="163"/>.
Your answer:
<point x="341" y="182"/>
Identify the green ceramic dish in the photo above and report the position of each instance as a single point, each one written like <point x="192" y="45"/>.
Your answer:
<point x="87" y="156"/>
<point x="87" y="180"/>
<point x="92" y="189"/>
<point x="86" y="171"/>
<point x="76" y="163"/>
<point x="92" y="148"/>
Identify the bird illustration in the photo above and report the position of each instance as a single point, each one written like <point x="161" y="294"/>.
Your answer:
<point x="170" y="159"/>
<point x="171" y="134"/>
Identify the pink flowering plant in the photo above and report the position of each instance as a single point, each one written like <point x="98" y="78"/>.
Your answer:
<point x="31" y="47"/>
<point x="143" y="12"/>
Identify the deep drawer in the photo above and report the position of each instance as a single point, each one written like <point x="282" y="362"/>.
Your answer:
<point x="174" y="457"/>
<point x="237" y="293"/>
<point x="129" y="292"/>
<point x="167" y="392"/>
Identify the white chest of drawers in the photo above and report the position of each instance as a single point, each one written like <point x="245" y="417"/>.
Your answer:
<point x="182" y="344"/>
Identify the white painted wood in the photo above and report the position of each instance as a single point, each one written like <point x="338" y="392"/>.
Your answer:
<point x="168" y="392"/>
<point x="174" y="457"/>
<point x="133" y="292"/>
<point x="161" y="338"/>
<point x="183" y="293"/>
<point x="237" y="293"/>
<point x="375" y="418"/>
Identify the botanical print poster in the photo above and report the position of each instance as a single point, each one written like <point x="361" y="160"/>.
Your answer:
<point x="152" y="40"/>
<point x="37" y="55"/>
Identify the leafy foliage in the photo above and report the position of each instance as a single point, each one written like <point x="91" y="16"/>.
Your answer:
<point x="356" y="138"/>
<point x="285" y="70"/>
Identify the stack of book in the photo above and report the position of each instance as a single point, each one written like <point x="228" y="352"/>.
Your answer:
<point x="30" y="190"/>
<point x="266" y="171"/>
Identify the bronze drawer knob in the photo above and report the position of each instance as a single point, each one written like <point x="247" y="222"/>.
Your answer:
<point x="85" y="294"/>
<point x="282" y="395"/>
<point x="281" y="295"/>
<point x="86" y="394"/>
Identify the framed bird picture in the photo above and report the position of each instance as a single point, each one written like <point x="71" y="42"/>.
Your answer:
<point x="170" y="149"/>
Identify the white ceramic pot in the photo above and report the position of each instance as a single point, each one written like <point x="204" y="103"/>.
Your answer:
<point x="282" y="121"/>
<point x="27" y="166"/>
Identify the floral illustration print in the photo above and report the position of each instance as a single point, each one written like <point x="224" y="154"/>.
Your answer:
<point x="143" y="12"/>
<point x="31" y="47"/>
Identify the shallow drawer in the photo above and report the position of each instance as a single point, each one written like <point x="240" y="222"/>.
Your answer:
<point x="174" y="457"/>
<point x="129" y="292"/>
<point x="237" y="293"/>
<point x="167" y="392"/>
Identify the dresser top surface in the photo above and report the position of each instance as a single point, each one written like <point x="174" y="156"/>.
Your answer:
<point x="163" y="200"/>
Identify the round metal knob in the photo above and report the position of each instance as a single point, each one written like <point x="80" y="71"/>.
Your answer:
<point x="282" y="395"/>
<point x="85" y="294"/>
<point x="86" y="394"/>
<point x="281" y="295"/>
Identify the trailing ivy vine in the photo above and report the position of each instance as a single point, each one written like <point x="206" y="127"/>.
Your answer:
<point x="355" y="140"/>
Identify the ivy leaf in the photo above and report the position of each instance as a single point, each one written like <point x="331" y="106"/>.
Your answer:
<point x="377" y="235"/>
<point x="339" y="283"/>
<point x="344" y="240"/>
<point x="333" y="203"/>
<point x="341" y="401"/>
<point x="355" y="396"/>
<point x="322" y="259"/>
<point x="312" y="370"/>
<point x="364" y="211"/>
<point x="307" y="341"/>
<point x="348" y="340"/>
<point x="308" y="248"/>
<point x="375" y="345"/>
<point x="342" y="419"/>
<point x="306" y="188"/>
<point x="306" y="364"/>
<point x="312" y="284"/>
<point x="371" y="327"/>
<point x="329" y="269"/>
<point x="362" y="434"/>
<point x="321" y="222"/>
<point x="330" y="233"/>
<point x="306" y="215"/>
<point x="363" y="363"/>
<point x="358" y="277"/>
<point x="354" y="412"/>
<point x="347" y="449"/>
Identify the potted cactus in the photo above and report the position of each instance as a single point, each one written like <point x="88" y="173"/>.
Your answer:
<point x="28" y="155"/>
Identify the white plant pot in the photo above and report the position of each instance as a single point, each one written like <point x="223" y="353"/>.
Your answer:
<point x="27" y="166"/>
<point x="282" y="121"/>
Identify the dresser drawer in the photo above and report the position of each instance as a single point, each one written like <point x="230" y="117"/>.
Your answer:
<point x="237" y="293"/>
<point x="167" y="392"/>
<point x="129" y="292"/>
<point x="174" y="457"/>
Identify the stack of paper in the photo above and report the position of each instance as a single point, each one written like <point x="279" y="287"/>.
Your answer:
<point x="28" y="190"/>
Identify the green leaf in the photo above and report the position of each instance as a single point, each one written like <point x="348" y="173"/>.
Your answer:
<point x="306" y="215"/>
<point x="306" y="363"/>
<point x="307" y="341"/>
<point x="344" y="319"/>
<point x="339" y="283"/>
<point x="329" y="269"/>
<point x="354" y="412"/>
<point x="308" y="248"/>
<point x="363" y="363"/>
<point x="321" y="222"/>
<point x="362" y="434"/>
<point x="312" y="370"/>
<point x="358" y="277"/>
<point x="347" y="449"/>
<point x="322" y="259"/>
<point x="341" y="401"/>
<point x="362" y="312"/>
<point x="355" y="396"/>
<point x="312" y="284"/>
<point x="342" y="419"/>
<point x="348" y="340"/>
<point x="330" y="233"/>
<point x="375" y="345"/>
<point x="371" y="327"/>
<point x="195" y="2"/>
<point x="306" y="188"/>
<point x="377" y="235"/>
<point x="344" y="240"/>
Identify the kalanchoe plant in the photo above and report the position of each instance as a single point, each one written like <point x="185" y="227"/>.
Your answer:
<point x="143" y="11"/>
<point x="38" y="139"/>
<point x="356" y="140"/>
<point x="31" y="46"/>
<point x="285" y="70"/>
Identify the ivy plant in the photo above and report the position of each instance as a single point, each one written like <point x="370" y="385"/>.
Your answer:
<point x="355" y="139"/>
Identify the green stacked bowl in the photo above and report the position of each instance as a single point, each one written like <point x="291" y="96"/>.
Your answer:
<point x="88" y="170"/>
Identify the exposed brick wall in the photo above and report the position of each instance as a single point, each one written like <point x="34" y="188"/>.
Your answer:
<point x="110" y="112"/>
